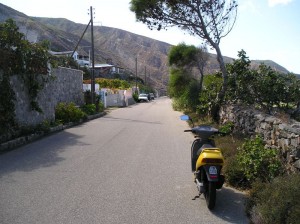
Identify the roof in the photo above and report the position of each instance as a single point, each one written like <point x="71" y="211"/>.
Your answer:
<point x="60" y="53"/>
<point x="103" y="66"/>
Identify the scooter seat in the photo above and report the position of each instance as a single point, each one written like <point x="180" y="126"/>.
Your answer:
<point x="207" y="146"/>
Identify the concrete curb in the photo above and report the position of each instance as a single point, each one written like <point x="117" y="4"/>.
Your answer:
<point x="14" y="143"/>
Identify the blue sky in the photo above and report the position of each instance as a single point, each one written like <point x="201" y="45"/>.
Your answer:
<point x="265" y="29"/>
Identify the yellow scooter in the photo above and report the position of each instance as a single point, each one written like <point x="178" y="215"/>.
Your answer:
<point x="207" y="161"/>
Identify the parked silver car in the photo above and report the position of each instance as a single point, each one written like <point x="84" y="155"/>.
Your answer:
<point x="143" y="97"/>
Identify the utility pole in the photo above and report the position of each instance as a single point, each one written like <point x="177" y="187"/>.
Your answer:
<point x="136" y="74"/>
<point x="93" y="58"/>
<point x="145" y="75"/>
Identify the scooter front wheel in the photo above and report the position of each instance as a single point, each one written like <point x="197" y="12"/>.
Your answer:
<point x="210" y="195"/>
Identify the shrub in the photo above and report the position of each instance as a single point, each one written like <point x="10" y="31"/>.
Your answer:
<point x="226" y="128"/>
<point x="234" y="174"/>
<point x="89" y="109"/>
<point x="135" y="97"/>
<point x="178" y="104"/>
<point x="282" y="193"/>
<point x="256" y="161"/>
<point x="68" y="113"/>
<point x="232" y="169"/>
<point x="101" y="107"/>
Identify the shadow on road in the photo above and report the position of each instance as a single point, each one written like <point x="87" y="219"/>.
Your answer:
<point x="41" y="153"/>
<point x="230" y="206"/>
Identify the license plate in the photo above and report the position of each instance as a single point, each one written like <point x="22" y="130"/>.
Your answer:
<point x="213" y="170"/>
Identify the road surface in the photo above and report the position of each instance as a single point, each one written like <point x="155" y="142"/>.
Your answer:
<point x="130" y="166"/>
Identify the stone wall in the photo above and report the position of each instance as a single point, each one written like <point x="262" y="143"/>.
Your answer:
<point x="65" y="85"/>
<point x="281" y="133"/>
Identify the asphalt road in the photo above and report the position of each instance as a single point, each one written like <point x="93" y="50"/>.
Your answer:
<point x="130" y="166"/>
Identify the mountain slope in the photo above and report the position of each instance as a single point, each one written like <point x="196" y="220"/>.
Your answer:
<point x="114" y="45"/>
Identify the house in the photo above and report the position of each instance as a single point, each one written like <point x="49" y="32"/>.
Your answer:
<point x="106" y="70"/>
<point x="81" y="57"/>
<point x="101" y="70"/>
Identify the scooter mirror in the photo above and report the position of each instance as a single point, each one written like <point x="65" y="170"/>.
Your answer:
<point x="184" y="117"/>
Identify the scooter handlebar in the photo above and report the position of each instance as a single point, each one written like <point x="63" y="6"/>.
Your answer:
<point x="188" y="130"/>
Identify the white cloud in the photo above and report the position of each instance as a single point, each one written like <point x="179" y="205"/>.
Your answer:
<point x="273" y="3"/>
<point x="247" y="5"/>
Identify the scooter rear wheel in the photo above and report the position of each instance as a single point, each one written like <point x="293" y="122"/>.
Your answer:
<point x="210" y="195"/>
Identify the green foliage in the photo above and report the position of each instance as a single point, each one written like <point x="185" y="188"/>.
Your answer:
<point x="209" y="20"/>
<point x="234" y="174"/>
<point x="182" y="55"/>
<point x="241" y="80"/>
<point x="20" y="57"/>
<point x="275" y="202"/>
<point x="7" y="106"/>
<point x="112" y="83"/>
<point x="251" y="162"/>
<point x="100" y="106"/>
<point x="88" y="99"/>
<point x="86" y="73"/>
<point x="135" y="97"/>
<point x="226" y="128"/>
<point x="258" y="162"/>
<point x="232" y="169"/>
<point x="184" y="90"/>
<point x="89" y="109"/>
<point x="263" y="87"/>
<point x="68" y="62"/>
<point x="178" y="104"/>
<point x="212" y="84"/>
<point x="68" y="113"/>
<point x="43" y="127"/>
<point x="178" y="82"/>
<point x="191" y="96"/>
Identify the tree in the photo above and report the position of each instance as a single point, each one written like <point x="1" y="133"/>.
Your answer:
<point x="178" y="82"/>
<point x="263" y="87"/>
<point x="241" y="80"/>
<point x="211" y="20"/>
<point x="187" y="57"/>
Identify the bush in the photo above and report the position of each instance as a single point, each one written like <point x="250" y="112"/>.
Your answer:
<point x="100" y="107"/>
<point x="178" y="104"/>
<point x="234" y="174"/>
<point x="251" y="162"/>
<point x="226" y="128"/>
<point x="89" y="109"/>
<point x="135" y="97"/>
<point x="68" y="113"/>
<point x="282" y="193"/>
<point x="258" y="162"/>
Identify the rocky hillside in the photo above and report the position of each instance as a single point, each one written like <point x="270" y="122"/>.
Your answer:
<point x="114" y="45"/>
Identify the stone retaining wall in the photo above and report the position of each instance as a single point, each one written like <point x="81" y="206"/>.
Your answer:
<point x="65" y="85"/>
<point x="283" y="134"/>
